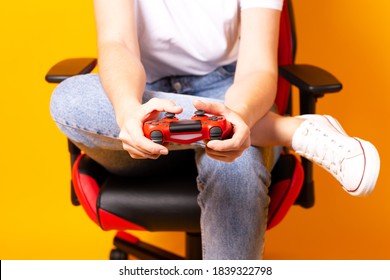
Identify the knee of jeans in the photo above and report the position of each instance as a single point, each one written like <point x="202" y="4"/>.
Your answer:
<point x="244" y="179"/>
<point x="71" y="97"/>
<point x="63" y="97"/>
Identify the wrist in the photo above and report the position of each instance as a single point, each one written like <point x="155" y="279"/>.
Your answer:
<point x="124" y="110"/>
<point x="244" y="113"/>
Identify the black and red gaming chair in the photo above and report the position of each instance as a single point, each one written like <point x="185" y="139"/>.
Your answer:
<point x="168" y="201"/>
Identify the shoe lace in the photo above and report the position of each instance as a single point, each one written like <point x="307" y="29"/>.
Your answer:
<point x="324" y="149"/>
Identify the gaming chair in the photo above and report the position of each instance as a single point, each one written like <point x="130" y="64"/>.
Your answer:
<point x="169" y="203"/>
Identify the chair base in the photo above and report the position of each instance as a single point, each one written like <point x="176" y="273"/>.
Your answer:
<point x="128" y="245"/>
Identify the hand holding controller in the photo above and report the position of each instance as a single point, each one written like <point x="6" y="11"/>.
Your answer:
<point x="199" y="127"/>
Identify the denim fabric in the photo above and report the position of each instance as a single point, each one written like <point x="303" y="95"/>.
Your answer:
<point x="233" y="196"/>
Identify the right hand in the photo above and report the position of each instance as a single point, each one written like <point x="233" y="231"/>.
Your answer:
<point x="132" y="135"/>
<point x="226" y="150"/>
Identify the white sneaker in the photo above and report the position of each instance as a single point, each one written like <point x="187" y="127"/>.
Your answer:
<point x="353" y="162"/>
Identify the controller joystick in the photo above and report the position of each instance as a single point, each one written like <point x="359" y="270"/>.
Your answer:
<point x="215" y="133"/>
<point x="169" y="115"/>
<point x="200" y="113"/>
<point x="157" y="137"/>
<point x="200" y="127"/>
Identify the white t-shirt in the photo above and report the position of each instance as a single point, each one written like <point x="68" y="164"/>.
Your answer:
<point x="190" y="37"/>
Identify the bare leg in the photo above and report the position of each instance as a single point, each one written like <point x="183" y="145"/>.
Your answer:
<point x="274" y="130"/>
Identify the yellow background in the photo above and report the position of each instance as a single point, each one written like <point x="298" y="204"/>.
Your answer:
<point x="37" y="221"/>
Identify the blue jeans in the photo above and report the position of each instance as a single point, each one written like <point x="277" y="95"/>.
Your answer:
<point x="232" y="196"/>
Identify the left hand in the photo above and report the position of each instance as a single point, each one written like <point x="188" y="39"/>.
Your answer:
<point x="226" y="150"/>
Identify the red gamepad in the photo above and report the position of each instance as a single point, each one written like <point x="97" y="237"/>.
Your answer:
<point x="199" y="127"/>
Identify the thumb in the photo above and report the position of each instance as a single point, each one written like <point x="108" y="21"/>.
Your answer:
<point x="210" y="108"/>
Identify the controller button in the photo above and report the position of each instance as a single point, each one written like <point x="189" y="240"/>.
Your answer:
<point x="215" y="133"/>
<point x="200" y="113"/>
<point x="213" y="118"/>
<point x="169" y="115"/>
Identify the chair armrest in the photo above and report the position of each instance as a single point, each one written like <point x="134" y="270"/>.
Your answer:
<point x="312" y="82"/>
<point x="70" y="67"/>
<point x="310" y="79"/>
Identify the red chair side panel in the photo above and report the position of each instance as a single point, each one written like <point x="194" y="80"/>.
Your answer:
<point x="283" y="195"/>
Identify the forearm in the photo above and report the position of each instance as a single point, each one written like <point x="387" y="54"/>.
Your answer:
<point x="123" y="78"/>
<point x="255" y="81"/>
<point x="252" y="96"/>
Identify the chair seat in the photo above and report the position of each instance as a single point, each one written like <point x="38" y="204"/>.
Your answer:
<point x="154" y="203"/>
<point x="162" y="202"/>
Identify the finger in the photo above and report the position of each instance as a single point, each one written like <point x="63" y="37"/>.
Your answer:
<point x="162" y="105"/>
<point x="239" y="140"/>
<point x="232" y="144"/>
<point x="137" y="154"/>
<point x="210" y="108"/>
<point x="231" y="154"/>
<point x="147" y="146"/>
<point x="221" y="158"/>
<point x="227" y="145"/>
<point x="139" y="142"/>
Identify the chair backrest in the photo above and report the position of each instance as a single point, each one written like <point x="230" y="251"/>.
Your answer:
<point x="286" y="54"/>
<point x="288" y="173"/>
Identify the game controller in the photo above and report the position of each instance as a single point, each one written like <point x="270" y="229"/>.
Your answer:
<point x="199" y="127"/>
